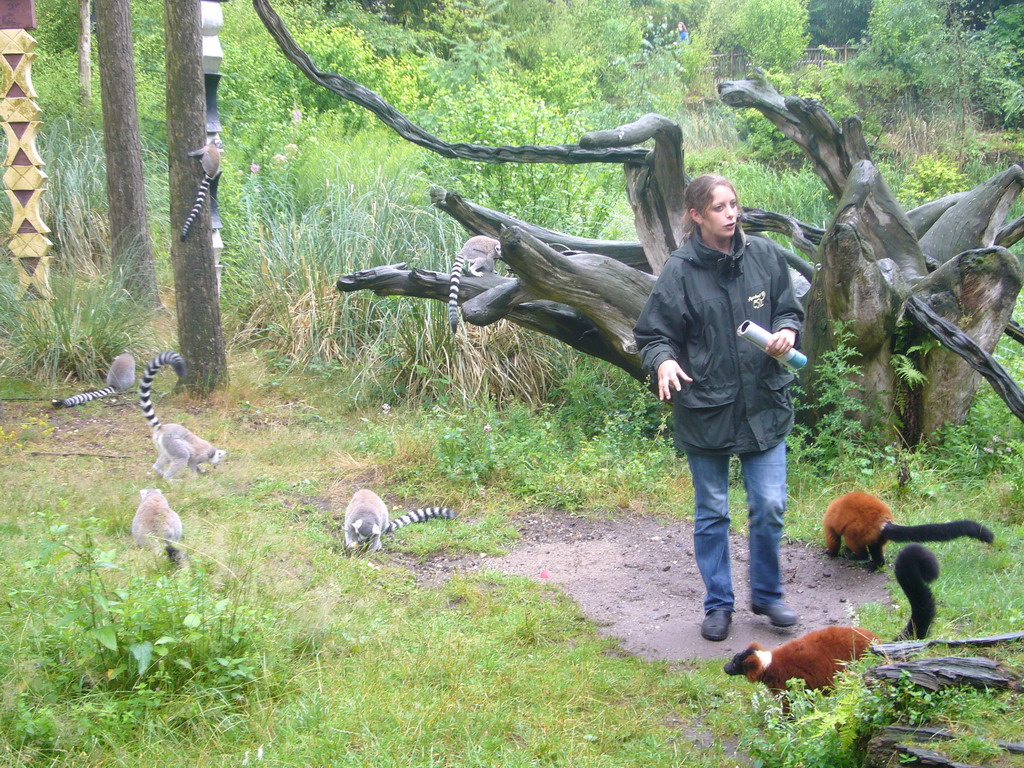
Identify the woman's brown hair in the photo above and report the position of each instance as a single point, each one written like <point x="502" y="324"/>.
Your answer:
<point x="698" y="197"/>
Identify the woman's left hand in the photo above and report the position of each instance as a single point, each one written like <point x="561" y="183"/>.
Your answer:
<point x="781" y="342"/>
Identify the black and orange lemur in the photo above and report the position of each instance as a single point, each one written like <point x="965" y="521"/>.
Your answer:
<point x="817" y="656"/>
<point x="866" y="524"/>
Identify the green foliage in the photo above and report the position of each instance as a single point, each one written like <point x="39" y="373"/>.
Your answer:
<point x="494" y="110"/>
<point x="89" y="629"/>
<point x="820" y="729"/>
<point x="1003" y="93"/>
<point x="774" y="32"/>
<point x="835" y="22"/>
<point x="932" y="177"/>
<point x="834" y="729"/>
<point x="765" y="142"/>
<point x="345" y="51"/>
<point x="918" y="50"/>
<point x="546" y="456"/>
<point x="835" y="440"/>
<point x="77" y="196"/>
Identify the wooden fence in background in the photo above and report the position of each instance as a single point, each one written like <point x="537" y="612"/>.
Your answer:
<point x="735" y="65"/>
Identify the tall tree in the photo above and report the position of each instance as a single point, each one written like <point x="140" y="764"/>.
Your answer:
<point x="126" y="192"/>
<point x="200" y="336"/>
<point x="84" y="55"/>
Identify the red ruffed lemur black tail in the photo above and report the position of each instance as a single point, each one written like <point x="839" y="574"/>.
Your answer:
<point x="915" y="568"/>
<point x="937" y="531"/>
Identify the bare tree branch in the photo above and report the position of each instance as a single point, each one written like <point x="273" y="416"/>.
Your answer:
<point x="570" y="154"/>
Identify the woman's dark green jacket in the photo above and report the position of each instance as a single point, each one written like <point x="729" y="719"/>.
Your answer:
<point x="739" y="400"/>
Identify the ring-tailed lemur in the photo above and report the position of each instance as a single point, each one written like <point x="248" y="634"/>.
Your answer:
<point x="176" y="446"/>
<point x="120" y="377"/>
<point x="477" y="256"/>
<point x="155" y="523"/>
<point x="209" y="156"/>
<point x="366" y="519"/>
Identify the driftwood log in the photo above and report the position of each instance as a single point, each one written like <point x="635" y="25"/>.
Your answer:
<point x="941" y="671"/>
<point x="905" y="745"/>
<point x="903" y="650"/>
<point x="939" y="271"/>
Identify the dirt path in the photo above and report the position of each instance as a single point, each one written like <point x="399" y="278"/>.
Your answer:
<point x="636" y="577"/>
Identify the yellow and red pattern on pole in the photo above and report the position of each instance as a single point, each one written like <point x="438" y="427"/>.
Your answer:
<point x="24" y="179"/>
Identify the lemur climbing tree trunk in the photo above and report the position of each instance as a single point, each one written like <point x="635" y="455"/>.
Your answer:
<point x="130" y="244"/>
<point x="934" y="285"/>
<point x="200" y="336"/>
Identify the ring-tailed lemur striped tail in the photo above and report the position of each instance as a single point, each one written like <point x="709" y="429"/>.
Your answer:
<point x="366" y="519"/>
<point x="420" y="515"/>
<point x="172" y="359"/>
<point x="210" y="159"/>
<point x="477" y="256"/>
<point x="120" y="378"/>
<point x="176" y="446"/>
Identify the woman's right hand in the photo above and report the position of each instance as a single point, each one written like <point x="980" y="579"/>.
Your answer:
<point x="670" y="374"/>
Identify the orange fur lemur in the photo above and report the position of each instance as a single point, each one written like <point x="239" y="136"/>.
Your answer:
<point x="866" y="523"/>
<point x="817" y="656"/>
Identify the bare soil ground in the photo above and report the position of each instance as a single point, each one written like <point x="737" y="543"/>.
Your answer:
<point x="637" y="579"/>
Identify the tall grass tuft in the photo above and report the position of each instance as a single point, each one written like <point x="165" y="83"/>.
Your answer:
<point x="294" y="243"/>
<point x="76" y="200"/>
<point x="87" y="323"/>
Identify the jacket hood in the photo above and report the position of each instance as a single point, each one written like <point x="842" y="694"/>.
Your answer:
<point x="702" y="255"/>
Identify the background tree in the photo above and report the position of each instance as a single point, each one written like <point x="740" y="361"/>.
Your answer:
<point x="200" y="336"/>
<point x="84" y="55"/>
<point x="835" y="22"/>
<point x="774" y="32"/>
<point x="126" y="191"/>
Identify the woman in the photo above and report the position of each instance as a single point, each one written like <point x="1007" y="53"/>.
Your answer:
<point x="729" y="397"/>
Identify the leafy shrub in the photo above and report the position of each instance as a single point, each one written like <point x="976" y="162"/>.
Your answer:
<point x="83" y="629"/>
<point x="498" y="111"/>
<point x="1005" y="76"/>
<point x="932" y="177"/>
<point x="765" y="142"/>
<point x="819" y="730"/>
<point x="831" y="439"/>
<point x="774" y="32"/>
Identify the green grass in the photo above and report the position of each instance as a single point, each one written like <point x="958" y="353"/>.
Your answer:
<point x="351" y="661"/>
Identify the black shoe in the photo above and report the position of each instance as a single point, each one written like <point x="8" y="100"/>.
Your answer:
<point x="779" y="614"/>
<point x="716" y="625"/>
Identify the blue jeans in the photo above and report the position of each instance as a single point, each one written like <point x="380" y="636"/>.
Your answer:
<point x="764" y="477"/>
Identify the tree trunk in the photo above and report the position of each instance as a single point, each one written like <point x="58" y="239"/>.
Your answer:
<point x="84" y="56"/>
<point x="195" y="278"/>
<point x="126" y="192"/>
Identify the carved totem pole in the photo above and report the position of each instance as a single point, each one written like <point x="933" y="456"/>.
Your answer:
<point x="24" y="179"/>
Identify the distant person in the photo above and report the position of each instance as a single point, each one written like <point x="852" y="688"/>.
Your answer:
<point x="729" y="398"/>
<point x="684" y="34"/>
